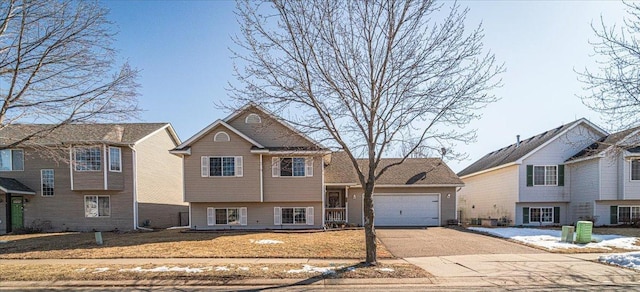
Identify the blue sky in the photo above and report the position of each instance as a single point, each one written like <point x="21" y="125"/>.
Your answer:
<point x="182" y="49"/>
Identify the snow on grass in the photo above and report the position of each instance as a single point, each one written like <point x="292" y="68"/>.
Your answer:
<point x="550" y="239"/>
<point x="221" y="268"/>
<point x="265" y="241"/>
<point x="628" y="260"/>
<point x="163" y="269"/>
<point x="4" y="241"/>
<point x="386" y="270"/>
<point x="312" y="269"/>
<point x="243" y="268"/>
<point x="100" y="270"/>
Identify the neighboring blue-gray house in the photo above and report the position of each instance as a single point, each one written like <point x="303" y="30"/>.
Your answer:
<point x="530" y="182"/>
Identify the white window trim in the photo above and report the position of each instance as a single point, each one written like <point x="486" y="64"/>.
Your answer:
<point x="630" y="212"/>
<point x="205" y="164"/>
<point x="97" y="196"/>
<point x="545" y="176"/>
<point x="276" y="167"/>
<point x="119" y="159"/>
<point x="221" y="134"/>
<point x="308" y="216"/>
<point x="11" y="159"/>
<point x="259" y="119"/>
<point x="552" y="214"/>
<point x="75" y="162"/>
<point x="53" y="175"/>
<point x="242" y="216"/>
<point x="631" y="169"/>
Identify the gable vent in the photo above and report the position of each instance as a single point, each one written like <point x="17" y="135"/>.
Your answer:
<point x="221" y="137"/>
<point x="253" y="119"/>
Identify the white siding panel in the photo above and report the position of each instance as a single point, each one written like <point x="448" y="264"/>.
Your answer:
<point x="490" y="195"/>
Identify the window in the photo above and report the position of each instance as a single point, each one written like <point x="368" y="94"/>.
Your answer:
<point x="545" y="175"/>
<point x="221" y="137"/>
<point x="222" y="166"/>
<point x="292" y="166"/>
<point x="542" y="215"/>
<point x="635" y="169"/>
<point x="97" y="206"/>
<point x="295" y="215"/>
<point x="227" y="216"/>
<point x="11" y="159"/>
<point x="115" y="159"/>
<point x="88" y="159"/>
<point x="46" y="178"/>
<point x="628" y="214"/>
<point x="253" y="119"/>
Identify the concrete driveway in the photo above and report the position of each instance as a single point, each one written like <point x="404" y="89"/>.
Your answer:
<point x="440" y="241"/>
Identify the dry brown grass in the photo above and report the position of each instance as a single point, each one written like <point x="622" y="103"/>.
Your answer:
<point x="45" y="272"/>
<point x="347" y="244"/>
<point x="625" y="231"/>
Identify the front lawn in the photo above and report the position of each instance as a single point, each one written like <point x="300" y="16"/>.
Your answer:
<point x="345" y="244"/>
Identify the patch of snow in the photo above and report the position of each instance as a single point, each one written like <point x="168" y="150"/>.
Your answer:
<point x="312" y="269"/>
<point x="221" y="268"/>
<point x="265" y="241"/>
<point x="178" y="227"/>
<point x="550" y="239"/>
<point x="243" y="268"/>
<point x="100" y="270"/>
<point x="386" y="270"/>
<point x="163" y="269"/>
<point x="628" y="260"/>
<point x="351" y="269"/>
<point x="4" y="241"/>
<point x="81" y="270"/>
<point x="265" y="268"/>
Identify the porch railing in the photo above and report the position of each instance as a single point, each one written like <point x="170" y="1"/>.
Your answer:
<point x="335" y="214"/>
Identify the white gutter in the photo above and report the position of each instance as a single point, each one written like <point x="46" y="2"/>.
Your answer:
<point x="261" y="181"/>
<point x="135" y="186"/>
<point x="105" y="166"/>
<point x="584" y="159"/>
<point x="414" y="186"/>
<point x="71" y="162"/>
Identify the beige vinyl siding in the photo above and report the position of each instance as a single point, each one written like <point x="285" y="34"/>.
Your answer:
<point x="269" y="133"/>
<point x="222" y="189"/>
<point x="490" y="195"/>
<point x="447" y="205"/>
<point x="290" y="188"/>
<point x="160" y="190"/>
<point x="65" y="209"/>
<point x="88" y="180"/>
<point x="259" y="215"/>
<point x="585" y="187"/>
<point x="115" y="180"/>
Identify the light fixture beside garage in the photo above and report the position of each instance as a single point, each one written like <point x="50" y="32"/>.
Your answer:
<point x="448" y="196"/>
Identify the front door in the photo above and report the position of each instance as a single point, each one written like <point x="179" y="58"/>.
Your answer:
<point x="16" y="213"/>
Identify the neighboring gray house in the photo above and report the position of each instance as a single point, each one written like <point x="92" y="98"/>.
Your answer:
<point x="528" y="182"/>
<point x="254" y="171"/>
<point x="605" y="180"/>
<point x="90" y="177"/>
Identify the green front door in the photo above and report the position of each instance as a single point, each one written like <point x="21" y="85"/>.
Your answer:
<point x="16" y="213"/>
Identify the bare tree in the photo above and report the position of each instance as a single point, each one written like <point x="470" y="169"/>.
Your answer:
<point x="57" y="66"/>
<point x="614" y="89"/>
<point x="364" y="75"/>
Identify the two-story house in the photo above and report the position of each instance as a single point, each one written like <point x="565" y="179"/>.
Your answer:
<point x="605" y="180"/>
<point x="85" y="177"/>
<point x="252" y="170"/>
<point x="527" y="183"/>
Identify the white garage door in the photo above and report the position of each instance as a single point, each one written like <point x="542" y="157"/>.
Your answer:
<point x="406" y="210"/>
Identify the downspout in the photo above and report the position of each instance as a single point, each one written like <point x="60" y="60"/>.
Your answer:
<point x="135" y="187"/>
<point x="261" y="181"/>
<point x="323" y="192"/>
<point x="106" y="165"/>
<point x="71" y="166"/>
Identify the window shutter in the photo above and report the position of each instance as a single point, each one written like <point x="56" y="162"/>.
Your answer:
<point x="243" y="216"/>
<point x="556" y="215"/>
<point x="204" y="163"/>
<point x="211" y="216"/>
<point x="310" y="216"/>
<point x="525" y="214"/>
<point x="275" y="167"/>
<point x="309" y="166"/>
<point x="277" y="219"/>
<point x="529" y="176"/>
<point x="614" y="214"/>
<point x="238" y="165"/>
<point x="560" y="175"/>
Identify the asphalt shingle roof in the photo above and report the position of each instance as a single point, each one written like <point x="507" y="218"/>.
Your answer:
<point x="413" y="171"/>
<point x="604" y="143"/>
<point x="10" y="185"/>
<point x="514" y="151"/>
<point x="120" y="133"/>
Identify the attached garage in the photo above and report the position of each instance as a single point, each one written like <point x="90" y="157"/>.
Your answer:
<point x="407" y="209"/>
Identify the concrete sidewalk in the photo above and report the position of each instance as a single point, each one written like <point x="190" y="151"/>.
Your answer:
<point x="488" y="271"/>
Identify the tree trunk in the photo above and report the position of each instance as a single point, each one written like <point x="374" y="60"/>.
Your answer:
<point x="369" y="228"/>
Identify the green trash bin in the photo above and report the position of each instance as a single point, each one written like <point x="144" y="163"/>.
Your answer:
<point x="583" y="231"/>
